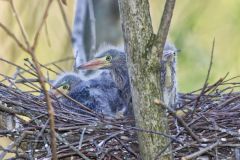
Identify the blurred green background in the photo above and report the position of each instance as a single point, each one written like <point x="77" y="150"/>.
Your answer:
<point x="194" y="26"/>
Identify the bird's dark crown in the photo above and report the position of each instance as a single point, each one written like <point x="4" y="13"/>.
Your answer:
<point x="69" y="78"/>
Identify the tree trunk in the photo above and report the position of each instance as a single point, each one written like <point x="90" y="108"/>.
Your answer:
<point x="144" y="70"/>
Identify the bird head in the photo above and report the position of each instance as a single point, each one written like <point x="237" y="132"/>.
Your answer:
<point x="64" y="83"/>
<point x="169" y="51"/>
<point x="109" y="59"/>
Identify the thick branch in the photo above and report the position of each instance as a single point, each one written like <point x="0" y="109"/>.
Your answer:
<point x="164" y="26"/>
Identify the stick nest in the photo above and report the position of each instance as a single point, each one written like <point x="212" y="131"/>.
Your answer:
<point x="211" y="114"/>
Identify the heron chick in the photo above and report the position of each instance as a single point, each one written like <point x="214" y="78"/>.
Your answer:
<point x="99" y="94"/>
<point x="114" y="59"/>
<point x="168" y="75"/>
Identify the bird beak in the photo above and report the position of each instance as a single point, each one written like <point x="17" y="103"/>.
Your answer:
<point x="94" y="64"/>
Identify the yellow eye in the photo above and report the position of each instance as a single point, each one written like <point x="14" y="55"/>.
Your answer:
<point x="65" y="87"/>
<point x="108" y="58"/>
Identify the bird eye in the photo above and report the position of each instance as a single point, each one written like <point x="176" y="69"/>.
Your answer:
<point x="66" y="87"/>
<point x="109" y="58"/>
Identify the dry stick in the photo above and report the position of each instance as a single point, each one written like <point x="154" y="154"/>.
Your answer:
<point x="154" y="132"/>
<point x="81" y="138"/>
<point x="206" y="80"/>
<point x="42" y="83"/>
<point x="11" y="110"/>
<point x="47" y="35"/>
<point x="221" y="80"/>
<point x="65" y="19"/>
<point x="27" y="81"/>
<point x="59" y="68"/>
<point x="49" y="69"/>
<point x="127" y="148"/>
<point x="164" y="26"/>
<point x="72" y="147"/>
<point x="189" y="130"/>
<point x="40" y="134"/>
<point x="227" y="102"/>
<point x="200" y="152"/>
<point x="24" y="34"/>
<point x="13" y="37"/>
<point x="28" y="71"/>
<point x="52" y="63"/>
<point x="13" y="144"/>
<point x="36" y="37"/>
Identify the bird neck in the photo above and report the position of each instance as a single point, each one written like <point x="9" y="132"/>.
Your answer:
<point x="121" y="77"/>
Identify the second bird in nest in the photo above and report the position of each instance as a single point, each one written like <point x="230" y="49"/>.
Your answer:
<point x="99" y="94"/>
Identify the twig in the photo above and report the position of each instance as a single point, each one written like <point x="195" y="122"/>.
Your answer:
<point x="206" y="80"/>
<point x="24" y="34"/>
<point x="40" y="134"/>
<point x="192" y="134"/>
<point x="42" y="83"/>
<point x="41" y="25"/>
<point x="72" y="147"/>
<point x="19" y="43"/>
<point x="65" y="19"/>
<point x="47" y="35"/>
<point x="200" y="152"/>
<point x="13" y="144"/>
<point x="227" y="102"/>
<point x="11" y="110"/>
<point x="28" y="71"/>
<point x="81" y="139"/>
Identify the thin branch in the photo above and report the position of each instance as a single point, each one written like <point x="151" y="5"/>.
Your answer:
<point x="206" y="80"/>
<point x="65" y="19"/>
<point x="43" y="85"/>
<point x="202" y="151"/>
<point x="189" y="130"/>
<point x="20" y="24"/>
<point x="13" y="144"/>
<point x="13" y="37"/>
<point x="81" y="139"/>
<point x="164" y="26"/>
<point x="41" y="25"/>
<point x="60" y="138"/>
<point x="23" y="69"/>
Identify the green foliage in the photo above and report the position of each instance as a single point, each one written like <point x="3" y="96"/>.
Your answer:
<point x="194" y="26"/>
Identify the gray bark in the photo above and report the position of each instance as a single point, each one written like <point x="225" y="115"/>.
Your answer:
<point x="144" y="69"/>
